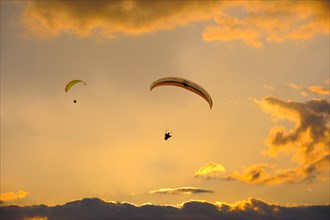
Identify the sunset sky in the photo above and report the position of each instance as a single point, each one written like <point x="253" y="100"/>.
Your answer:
<point x="265" y="64"/>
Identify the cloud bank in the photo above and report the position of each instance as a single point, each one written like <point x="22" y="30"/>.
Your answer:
<point x="307" y="143"/>
<point x="98" y="209"/>
<point x="108" y="19"/>
<point x="309" y="140"/>
<point x="252" y="22"/>
<point x="180" y="191"/>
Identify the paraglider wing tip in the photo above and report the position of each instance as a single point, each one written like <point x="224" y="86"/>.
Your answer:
<point x="152" y="86"/>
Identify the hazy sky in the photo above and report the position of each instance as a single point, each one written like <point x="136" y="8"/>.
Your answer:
<point x="266" y="66"/>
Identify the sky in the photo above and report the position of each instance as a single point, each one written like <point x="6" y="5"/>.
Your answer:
<point x="265" y="65"/>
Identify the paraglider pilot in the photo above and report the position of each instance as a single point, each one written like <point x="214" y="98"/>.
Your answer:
<point x="167" y="135"/>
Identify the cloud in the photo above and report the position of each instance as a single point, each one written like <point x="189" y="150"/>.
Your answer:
<point x="303" y="91"/>
<point x="256" y="173"/>
<point x="309" y="140"/>
<point x="98" y="209"/>
<point x="9" y="196"/>
<point x="252" y="22"/>
<point x="210" y="170"/>
<point x="108" y="19"/>
<point x="180" y="191"/>
<point x="307" y="143"/>
<point x="268" y="174"/>
<point x="319" y="90"/>
<point x="294" y="86"/>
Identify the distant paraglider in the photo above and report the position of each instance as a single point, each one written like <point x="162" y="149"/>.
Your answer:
<point x="72" y="83"/>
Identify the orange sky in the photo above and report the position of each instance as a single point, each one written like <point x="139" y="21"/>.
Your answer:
<point x="265" y="64"/>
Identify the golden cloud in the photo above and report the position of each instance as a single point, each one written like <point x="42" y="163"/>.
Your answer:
<point x="312" y="89"/>
<point x="309" y="140"/>
<point x="252" y="174"/>
<point x="107" y="19"/>
<point x="294" y="86"/>
<point x="268" y="174"/>
<point x="8" y="196"/>
<point x="319" y="90"/>
<point x="252" y="204"/>
<point x="253" y="22"/>
<point x="180" y="191"/>
<point x="210" y="170"/>
<point x="256" y="21"/>
<point x="308" y="143"/>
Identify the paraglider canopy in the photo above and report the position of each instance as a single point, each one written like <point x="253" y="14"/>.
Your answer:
<point x="72" y="83"/>
<point x="185" y="84"/>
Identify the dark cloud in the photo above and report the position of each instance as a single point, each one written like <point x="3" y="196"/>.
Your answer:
<point x="97" y="209"/>
<point x="180" y="191"/>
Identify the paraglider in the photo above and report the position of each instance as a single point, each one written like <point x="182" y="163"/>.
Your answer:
<point x="185" y="84"/>
<point x="167" y="135"/>
<point x="72" y="83"/>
